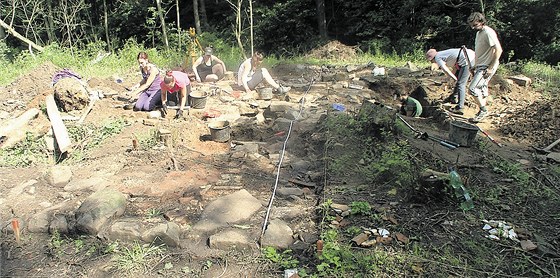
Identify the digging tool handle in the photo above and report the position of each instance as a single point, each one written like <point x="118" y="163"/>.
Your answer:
<point x="490" y="137"/>
<point x="464" y="49"/>
<point x="407" y="124"/>
<point x="442" y="141"/>
<point x="447" y="145"/>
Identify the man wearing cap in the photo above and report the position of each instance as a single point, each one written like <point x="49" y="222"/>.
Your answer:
<point x="208" y="68"/>
<point x="455" y="64"/>
<point x="488" y="51"/>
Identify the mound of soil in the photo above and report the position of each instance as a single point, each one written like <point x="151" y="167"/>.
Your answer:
<point x="333" y="49"/>
<point x="536" y="124"/>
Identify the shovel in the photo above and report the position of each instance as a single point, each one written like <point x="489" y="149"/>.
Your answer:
<point x="448" y="144"/>
<point x="548" y="148"/>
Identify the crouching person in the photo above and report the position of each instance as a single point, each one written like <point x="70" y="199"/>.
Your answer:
<point x="175" y="82"/>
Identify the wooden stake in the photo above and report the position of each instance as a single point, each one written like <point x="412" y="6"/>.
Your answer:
<point x="15" y="227"/>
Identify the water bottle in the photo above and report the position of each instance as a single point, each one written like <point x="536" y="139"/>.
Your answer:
<point x="460" y="191"/>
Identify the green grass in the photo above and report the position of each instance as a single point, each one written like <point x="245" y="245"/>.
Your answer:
<point x="148" y="139"/>
<point x="84" y="61"/>
<point x="32" y="150"/>
<point x="28" y="152"/>
<point x="136" y="258"/>
<point x="86" y="137"/>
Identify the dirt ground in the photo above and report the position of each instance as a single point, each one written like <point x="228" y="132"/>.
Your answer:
<point x="176" y="178"/>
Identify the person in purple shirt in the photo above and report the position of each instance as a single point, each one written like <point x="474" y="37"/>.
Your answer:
<point x="148" y="89"/>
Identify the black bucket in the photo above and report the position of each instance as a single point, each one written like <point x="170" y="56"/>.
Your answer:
<point x="220" y="131"/>
<point x="462" y="133"/>
<point x="197" y="100"/>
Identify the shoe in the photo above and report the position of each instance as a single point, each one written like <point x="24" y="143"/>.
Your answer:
<point x="283" y="90"/>
<point x="453" y="99"/>
<point x="479" y="116"/>
<point x="457" y="110"/>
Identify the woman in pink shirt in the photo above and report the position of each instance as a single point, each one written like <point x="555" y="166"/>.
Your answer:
<point x="175" y="82"/>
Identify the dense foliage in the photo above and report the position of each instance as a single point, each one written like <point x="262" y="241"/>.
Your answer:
<point x="528" y="29"/>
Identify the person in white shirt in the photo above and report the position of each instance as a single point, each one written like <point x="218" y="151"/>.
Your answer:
<point x="250" y="75"/>
<point x="488" y="50"/>
<point x="455" y="63"/>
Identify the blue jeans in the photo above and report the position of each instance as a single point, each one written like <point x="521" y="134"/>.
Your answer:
<point x="461" y="86"/>
<point x="479" y="84"/>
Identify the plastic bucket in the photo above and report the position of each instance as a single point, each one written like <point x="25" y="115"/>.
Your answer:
<point x="219" y="131"/>
<point x="197" y="100"/>
<point x="265" y="93"/>
<point x="462" y="133"/>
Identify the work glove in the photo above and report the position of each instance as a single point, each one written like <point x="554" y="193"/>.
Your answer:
<point x="179" y="114"/>
<point x="164" y="110"/>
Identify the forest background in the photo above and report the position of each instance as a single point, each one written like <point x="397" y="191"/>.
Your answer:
<point x="528" y="29"/>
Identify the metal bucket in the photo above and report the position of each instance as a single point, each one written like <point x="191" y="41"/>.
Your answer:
<point x="219" y="131"/>
<point x="265" y="93"/>
<point x="462" y="133"/>
<point x="197" y="100"/>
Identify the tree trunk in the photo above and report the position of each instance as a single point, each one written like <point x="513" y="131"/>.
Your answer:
<point x="178" y="22"/>
<point x="251" y="24"/>
<point x="163" y="28"/>
<point x="321" y="19"/>
<point x="18" y="36"/>
<point x="106" y="23"/>
<point x="238" y="26"/>
<point x="196" y="17"/>
<point x="49" y="22"/>
<point x="481" y="6"/>
<point x="203" y="18"/>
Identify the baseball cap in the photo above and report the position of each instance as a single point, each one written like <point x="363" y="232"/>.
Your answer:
<point x="208" y="51"/>
<point x="431" y="54"/>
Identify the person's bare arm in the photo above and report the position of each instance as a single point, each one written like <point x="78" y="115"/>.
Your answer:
<point x="154" y="71"/>
<point x="496" y="61"/>
<point x="448" y="72"/>
<point x="183" y="93"/>
<point x="194" y="68"/>
<point x="244" y="76"/>
<point x="220" y="62"/>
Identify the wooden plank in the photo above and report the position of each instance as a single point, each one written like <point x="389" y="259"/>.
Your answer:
<point x="60" y="131"/>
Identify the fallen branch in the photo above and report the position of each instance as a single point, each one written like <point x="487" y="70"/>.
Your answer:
<point x="545" y="176"/>
<point x="90" y="106"/>
<point x="20" y="37"/>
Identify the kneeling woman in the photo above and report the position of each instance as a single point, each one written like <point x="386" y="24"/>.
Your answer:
<point x="148" y="89"/>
